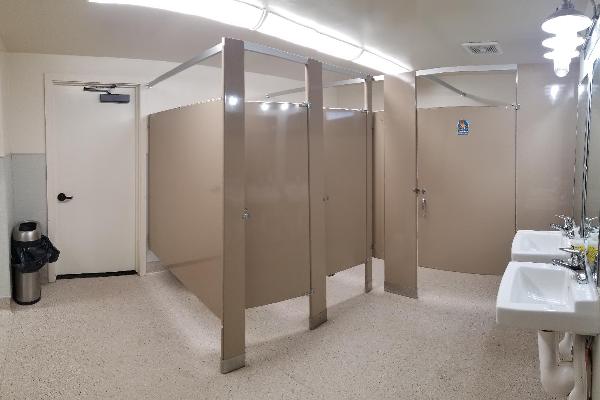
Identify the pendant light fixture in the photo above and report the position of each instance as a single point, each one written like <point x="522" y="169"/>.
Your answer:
<point x="565" y="24"/>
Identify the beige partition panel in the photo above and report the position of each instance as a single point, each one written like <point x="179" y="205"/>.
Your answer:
<point x="345" y="185"/>
<point x="185" y="197"/>
<point x="400" y="184"/>
<point x="378" y="187"/>
<point x="467" y="182"/>
<point x="277" y="232"/>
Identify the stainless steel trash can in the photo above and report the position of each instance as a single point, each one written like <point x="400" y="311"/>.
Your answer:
<point x="26" y="285"/>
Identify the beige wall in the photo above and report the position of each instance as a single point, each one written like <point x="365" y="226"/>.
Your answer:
<point x="352" y="96"/>
<point x="4" y="149"/>
<point x="545" y="145"/>
<point x="26" y="72"/>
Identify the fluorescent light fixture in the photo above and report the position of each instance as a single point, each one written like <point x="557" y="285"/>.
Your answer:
<point x="264" y="106"/>
<point x="283" y="28"/>
<point x="284" y="106"/>
<point x="566" y="19"/>
<point x="253" y="17"/>
<point x="228" y="12"/>
<point x="288" y="30"/>
<point x="379" y="63"/>
<point x="336" y="48"/>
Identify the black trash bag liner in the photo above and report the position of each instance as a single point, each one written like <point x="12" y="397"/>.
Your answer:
<point x="32" y="256"/>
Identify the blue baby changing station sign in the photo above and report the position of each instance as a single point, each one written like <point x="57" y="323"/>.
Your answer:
<point x="463" y="127"/>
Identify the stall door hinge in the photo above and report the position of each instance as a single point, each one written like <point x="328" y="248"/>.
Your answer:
<point x="516" y="106"/>
<point x="310" y="292"/>
<point x="305" y="104"/>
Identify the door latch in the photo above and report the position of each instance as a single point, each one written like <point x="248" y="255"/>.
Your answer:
<point x="245" y="214"/>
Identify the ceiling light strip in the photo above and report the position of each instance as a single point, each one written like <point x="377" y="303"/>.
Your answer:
<point x="249" y="16"/>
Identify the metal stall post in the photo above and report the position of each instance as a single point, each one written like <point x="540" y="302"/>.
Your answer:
<point x="368" y="92"/>
<point x="316" y="178"/>
<point x="233" y="343"/>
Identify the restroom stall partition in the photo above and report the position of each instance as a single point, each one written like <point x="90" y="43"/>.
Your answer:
<point x="186" y="197"/>
<point x="277" y="199"/>
<point x="348" y="145"/>
<point x="466" y="171"/>
<point x="345" y="134"/>
<point x="348" y="141"/>
<point x="237" y="197"/>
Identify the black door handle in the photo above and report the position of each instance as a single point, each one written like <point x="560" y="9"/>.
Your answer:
<point x="63" y="197"/>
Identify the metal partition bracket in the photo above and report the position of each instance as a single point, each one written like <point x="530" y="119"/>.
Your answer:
<point x="344" y="71"/>
<point x="273" y="52"/>
<point x="467" y="68"/>
<point x="445" y="84"/>
<point x="345" y="82"/>
<point x="255" y="48"/>
<point x="485" y="101"/>
<point x="189" y="63"/>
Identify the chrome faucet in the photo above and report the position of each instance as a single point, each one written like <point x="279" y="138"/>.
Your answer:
<point x="576" y="263"/>
<point x="588" y="227"/>
<point x="567" y="228"/>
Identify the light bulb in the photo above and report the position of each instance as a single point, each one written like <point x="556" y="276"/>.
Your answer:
<point x="561" y="67"/>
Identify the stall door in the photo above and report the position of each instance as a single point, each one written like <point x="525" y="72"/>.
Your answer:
<point x="466" y="173"/>
<point x="277" y="230"/>
<point x="91" y="151"/>
<point x="345" y="135"/>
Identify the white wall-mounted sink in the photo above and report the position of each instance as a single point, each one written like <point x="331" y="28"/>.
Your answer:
<point x="546" y="297"/>
<point x="538" y="246"/>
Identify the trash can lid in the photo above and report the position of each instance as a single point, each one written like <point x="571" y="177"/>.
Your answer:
<point x="27" y="231"/>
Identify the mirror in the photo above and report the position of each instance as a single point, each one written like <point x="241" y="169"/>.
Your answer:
<point x="591" y="156"/>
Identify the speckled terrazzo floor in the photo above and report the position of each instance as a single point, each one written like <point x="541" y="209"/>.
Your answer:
<point x="148" y="338"/>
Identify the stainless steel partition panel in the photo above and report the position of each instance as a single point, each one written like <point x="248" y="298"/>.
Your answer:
<point x="277" y="231"/>
<point x="185" y="197"/>
<point x="378" y="186"/>
<point x="345" y="185"/>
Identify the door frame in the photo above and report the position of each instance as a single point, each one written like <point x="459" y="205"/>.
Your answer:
<point x="141" y="145"/>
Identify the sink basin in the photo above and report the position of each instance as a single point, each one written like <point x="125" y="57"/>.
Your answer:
<point x="538" y="246"/>
<point x="546" y="297"/>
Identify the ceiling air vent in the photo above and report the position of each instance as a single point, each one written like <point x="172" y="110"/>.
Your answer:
<point x="482" y="48"/>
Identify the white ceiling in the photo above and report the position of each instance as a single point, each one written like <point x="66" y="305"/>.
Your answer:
<point x="421" y="33"/>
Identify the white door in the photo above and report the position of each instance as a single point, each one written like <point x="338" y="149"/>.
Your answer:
<point x="91" y="148"/>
